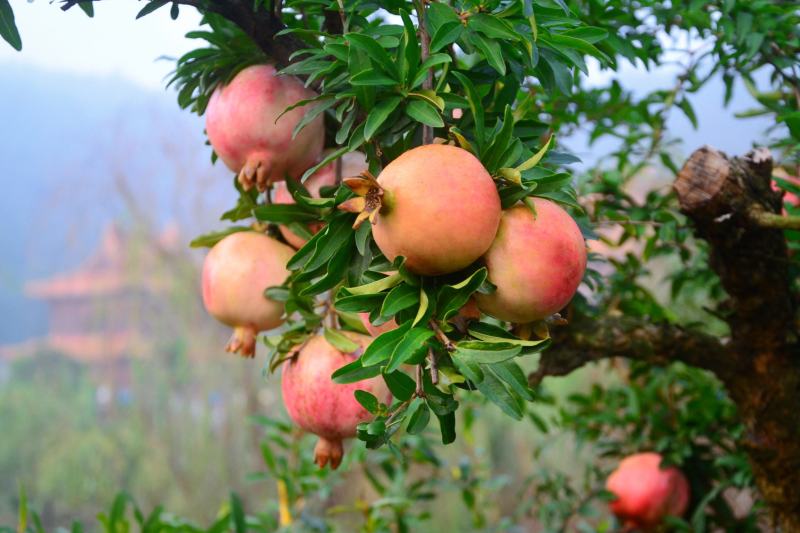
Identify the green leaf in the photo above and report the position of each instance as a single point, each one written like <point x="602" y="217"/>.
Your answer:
<point x="511" y="373"/>
<point x="8" y="27"/>
<point x="210" y="239"/>
<point x="87" y="7"/>
<point x="482" y="352"/>
<point x="687" y="109"/>
<point x="423" y="112"/>
<point x="367" y="401"/>
<point x="491" y="51"/>
<point x="284" y="213"/>
<point x="354" y="372"/>
<point x="383" y="346"/>
<point x="451" y="298"/>
<point x="475" y="105"/>
<point x="379" y="114"/>
<point x="423" y="307"/>
<point x="492" y="27"/>
<point x="376" y="53"/>
<point x="412" y="343"/>
<point x="533" y="161"/>
<point x="499" y="394"/>
<point x="401" y="386"/>
<point x="419" y="418"/>
<point x="377" y="286"/>
<point x="446" y="34"/>
<point x="494" y="334"/>
<point x="447" y="426"/>
<point x="401" y="297"/>
<point x="340" y="341"/>
<point x="372" y="77"/>
<point x="237" y="514"/>
<point x="151" y="6"/>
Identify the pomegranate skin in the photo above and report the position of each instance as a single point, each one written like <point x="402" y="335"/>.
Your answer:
<point x="241" y="126"/>
<point x="235" y="273"/>
<point x="317" y="404"/>
<point x="353" y="163"/>
<point x="373" y="330"/>
<point x="645" y="492"/>
<point x="537" y="263"/>
<point x="440" y="209"/>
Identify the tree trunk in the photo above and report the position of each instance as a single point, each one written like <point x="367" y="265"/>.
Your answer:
<point x="725" y="197"/>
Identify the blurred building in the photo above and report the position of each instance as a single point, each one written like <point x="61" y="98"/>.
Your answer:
<point x="107" y="312"/>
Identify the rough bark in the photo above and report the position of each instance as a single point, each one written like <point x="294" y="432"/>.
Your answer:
<point x="732" y="207"/>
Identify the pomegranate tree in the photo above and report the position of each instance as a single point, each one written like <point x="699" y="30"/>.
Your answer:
<point x="536" y="262"/>
<point x="248" y="132"/>
<point x="320" y="406"/>
<point x="352" y="164"/>
<point x="235" y="273"/>
<point x="435" y="205"/>
<point x="645" y="492"/>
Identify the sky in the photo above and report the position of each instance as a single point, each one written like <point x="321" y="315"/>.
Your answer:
<point x="113" y="44"/>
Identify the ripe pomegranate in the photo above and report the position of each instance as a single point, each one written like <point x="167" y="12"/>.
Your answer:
<point x="243" y="127"/>
<point x="353" y="163"/>
<point x="536" y="262"/>
<point x="646" y="493"/>
<point x="320" y="406"/>
<point x="235" y="273"/>
<point x="436" y="205"/>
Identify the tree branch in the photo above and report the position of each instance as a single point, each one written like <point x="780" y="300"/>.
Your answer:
<point x="587" y="340"/>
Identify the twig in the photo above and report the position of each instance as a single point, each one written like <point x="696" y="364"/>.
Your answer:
<point x="420" y="392"/>
<point x="441" y="336"/>
<point x="425" y="45"/>
<point x="765" y="219"/>
<point x="434" y="366"/>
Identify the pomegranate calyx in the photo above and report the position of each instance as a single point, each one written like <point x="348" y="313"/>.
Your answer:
<point x="243" y="341"/>
<point x="255" y="172"/>
<point x="369" y="201"/>
<point x="328" y="451"/>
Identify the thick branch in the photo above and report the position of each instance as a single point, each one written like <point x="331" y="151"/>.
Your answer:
<point x="586" y="340"/>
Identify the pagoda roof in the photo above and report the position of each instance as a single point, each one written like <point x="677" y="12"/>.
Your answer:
<point x="117" y="264"/>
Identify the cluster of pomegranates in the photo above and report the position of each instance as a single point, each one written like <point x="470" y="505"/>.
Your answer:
<point x="435" y="205"/>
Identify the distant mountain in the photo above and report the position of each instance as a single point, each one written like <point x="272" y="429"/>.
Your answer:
<point x="77" y="152"/>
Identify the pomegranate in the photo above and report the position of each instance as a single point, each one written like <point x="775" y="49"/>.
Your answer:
<point x="353" y="163"/>
<point x="235" y="273"/>
<point x="645" y="492"/>
<point x="536" y="263"/>
<point x="436" y="205"/>
<point x="243" y="127"/>
<point x="320" y="406"/>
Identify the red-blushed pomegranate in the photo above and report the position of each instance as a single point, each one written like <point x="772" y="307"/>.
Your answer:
<point x="436" y="205"/>
<point x="536" y="262"/>
<point x="645" y="492"/>
<point x="320" y="406"/>
<point x="243" y="127"/>
<point x="235" y="273"/>
<point x="353" y="163"/>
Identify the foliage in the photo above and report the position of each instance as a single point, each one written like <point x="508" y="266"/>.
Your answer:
<point x="518" y="70"/>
